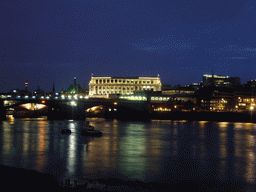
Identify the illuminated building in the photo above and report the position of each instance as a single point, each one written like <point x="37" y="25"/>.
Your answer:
<point x="220" y="81"/>
<point x="226" y="99"/>
<point x="216" y="98"/>
<point x="74" y="91"/>
<point x="245" y="98"/>
<point x="105" y="86"/>
<point x="178" y="90"/>
<point x="75" y="88"/>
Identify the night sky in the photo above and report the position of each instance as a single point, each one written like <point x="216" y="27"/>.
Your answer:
<point x="46" y="42"/>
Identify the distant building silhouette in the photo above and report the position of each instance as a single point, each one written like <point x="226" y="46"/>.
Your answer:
<point x="26" y="85"/>
<point x="38" y="92"/>
<point x="251" y="83"/>
<point x="220" y="81"/>
<point x="25" y="91"/>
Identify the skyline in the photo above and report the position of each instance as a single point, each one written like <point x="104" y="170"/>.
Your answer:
<point x="52" y="41"/>
<point x="87" y="87"/>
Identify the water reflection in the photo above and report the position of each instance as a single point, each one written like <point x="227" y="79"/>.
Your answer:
<point x="132" y="150"/>
<point x="72" y="154"/>
<point x="155" y="150"/>
<point x="7" y="142"/>
<point x="26" y="136"/>
<point x="10" y="119"/>
<point x="223" y="139"/>
<point x="42" y="146"/>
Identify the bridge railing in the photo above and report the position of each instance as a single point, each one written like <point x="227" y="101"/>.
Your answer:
<point x="29" y="97"/>
<point x="152" y="99"/>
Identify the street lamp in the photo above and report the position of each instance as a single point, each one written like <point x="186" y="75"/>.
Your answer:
<point x="73" y="103"/>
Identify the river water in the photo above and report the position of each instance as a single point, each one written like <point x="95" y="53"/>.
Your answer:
<point x="164" y="151"/>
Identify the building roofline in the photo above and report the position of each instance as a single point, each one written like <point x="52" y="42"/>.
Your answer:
<point x="138" y="77"/>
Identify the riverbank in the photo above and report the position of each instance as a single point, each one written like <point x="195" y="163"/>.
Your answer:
<point x="206" y="116"/>
<point x="182" y="115"/>
<point x="117" y="185"/>
<point x="21" y="179"/>
<point x="179" y="115"/>
<point x="17" y="178"/>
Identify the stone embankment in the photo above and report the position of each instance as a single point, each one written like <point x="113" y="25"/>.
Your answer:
<point x="206" y="116"/>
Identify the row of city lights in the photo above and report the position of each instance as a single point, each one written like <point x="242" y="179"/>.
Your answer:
<point x="162" y="109"/>
<point x="140" y="98"/>
<point x="48" y="97"/>
<point x="130" y="97"/>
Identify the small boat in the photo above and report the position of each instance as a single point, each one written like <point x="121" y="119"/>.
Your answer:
<point x="89" y="131"/>
<point x="65" y="131"/>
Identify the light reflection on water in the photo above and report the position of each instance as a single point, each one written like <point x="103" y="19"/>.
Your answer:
<point x="155" y="150"/>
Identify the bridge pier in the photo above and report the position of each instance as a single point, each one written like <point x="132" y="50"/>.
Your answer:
<point x="63" y="110"/>
<point x="57" y="111"/>
<point x="79" y="112"/>
<point x="2" y="111"/>
<point x="130" y="110"/>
